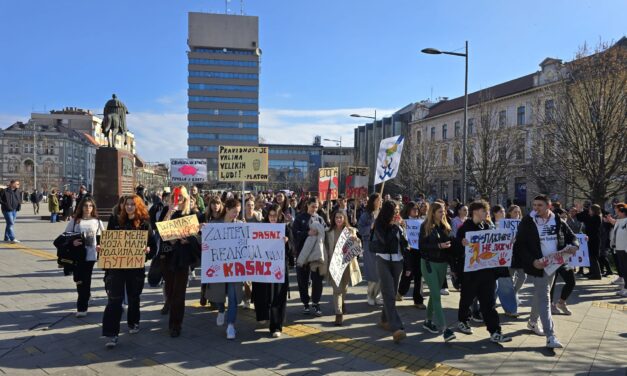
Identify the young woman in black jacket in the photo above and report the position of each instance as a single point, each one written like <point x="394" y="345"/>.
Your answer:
<point x="133" y="216"/>
<point x="435" y="250"/>
<point x="178" y="256"/>
<point x="388" y="241"/>
<point x="481" y="283"/>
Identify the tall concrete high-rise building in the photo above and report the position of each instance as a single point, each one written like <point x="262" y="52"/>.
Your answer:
<point x="223" y="93"/>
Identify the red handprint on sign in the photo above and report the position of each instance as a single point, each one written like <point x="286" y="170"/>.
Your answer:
<point x="212" y="270"/>
<point x="205" y="247"/>
<point x="278" y="273"/>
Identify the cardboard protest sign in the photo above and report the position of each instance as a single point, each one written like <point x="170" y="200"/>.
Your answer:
<point x="178" y="228"/>
<point x="509" y="224"/>
<point x="188" y="170"/>
<point x="238" y="252"/>
<point x="388" y="159"/>
<point x="122" y="249"/>
<point x="345" y="250"/>
<point x="413" y="232"/>
<point x="582" y="257"/>
<point x="357" y="182"/>
<point x="555" y="260"/>
<point x="242" y="163"/>
<point x="488" y="249"/>
<point x="328" y="183"/>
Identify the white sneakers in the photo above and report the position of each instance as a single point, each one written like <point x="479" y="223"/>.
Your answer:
<point x="80" y="314"/>
<point x="618" y="281"/>
<point x="230" y="331"/>
<point x="561" y="306"/>
<point x="246" y="304"/>
<point x="220" y="319"/>
<point x="276" y="334"/>
<point x="535" y="327"/>
<point x="371" y="302"/>
<point x="444" y="292"/>
<point x="553" y="343"/>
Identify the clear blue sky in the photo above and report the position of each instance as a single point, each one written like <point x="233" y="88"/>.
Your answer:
<point x="321" y="59"/>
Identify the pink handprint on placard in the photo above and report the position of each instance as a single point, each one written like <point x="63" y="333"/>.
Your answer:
<point x="212" y="270"/>
<point x="278" y="273"/>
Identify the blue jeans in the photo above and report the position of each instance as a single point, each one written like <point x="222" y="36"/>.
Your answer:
<point x="9" y="232"/>
<point x="231" y="313"/>
<point x="507" y="295"/>
<point x="54" y="217"/>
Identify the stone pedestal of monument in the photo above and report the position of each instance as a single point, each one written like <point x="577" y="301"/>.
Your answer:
<point x="114" y="177"/>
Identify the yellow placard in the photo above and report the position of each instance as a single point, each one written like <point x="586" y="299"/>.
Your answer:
<point x="178" y="228"/>
<point x="242" y="163"/>
<point x="122" y="249"/>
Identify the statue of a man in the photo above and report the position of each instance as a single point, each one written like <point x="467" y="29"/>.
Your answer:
<point x="114" y="122"/>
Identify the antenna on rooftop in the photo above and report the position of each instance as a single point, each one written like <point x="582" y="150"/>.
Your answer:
<point x="241" y="7"/>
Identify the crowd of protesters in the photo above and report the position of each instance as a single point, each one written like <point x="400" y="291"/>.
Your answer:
<point x="388" y="264"/>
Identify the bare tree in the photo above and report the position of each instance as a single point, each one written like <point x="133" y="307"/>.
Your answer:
<point x="584" y="125"/>
<point x="419" y="164"/>
<point x="490" y="153"/>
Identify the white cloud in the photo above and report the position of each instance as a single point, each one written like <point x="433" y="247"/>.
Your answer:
<point x="285" y="126"/>
<point x="159" y="136"/>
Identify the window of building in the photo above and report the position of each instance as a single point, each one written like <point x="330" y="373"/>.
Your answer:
<point x="432" y="133"/>
<point x="210" y="149"/>
<point x="199" y="98"/>
<point x="471" y="126"/>
<point x="520" y="115"/>
<point x="418" y="136"/>
<point x="233" y="63"/>
<point x="239" y="76"/>
<point x="222" y="112"/>
<point x="223" y="136"/>
<point x="222" y="124"/>
<point x="444" y="156"/>
<point x="225" y="51"/>
<point x="502" y="118"/>
<point x="549" y="109"/>
<point x="456" y="157"/>
<point x="14" y="148"/>
<point x="457" y="129"/>
<point x="28" y="148"/>
<point x="13" y="165"/>
<point x="520" y="149"/>
<point x="223" y="87"/>
<point x="444" y="131"/>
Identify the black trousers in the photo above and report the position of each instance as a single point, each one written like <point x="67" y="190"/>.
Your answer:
<point x="303" y="275"/>
<point x="116" y="280"/>
<point x="411" y="272"/>
<point x="594" y="252"/>
<point x="568" y="275"/>
<point x="175" y="289"/>
<point x="82" y="278"/>
<point x="270" y="301"/>
<point x="482" y="285"/>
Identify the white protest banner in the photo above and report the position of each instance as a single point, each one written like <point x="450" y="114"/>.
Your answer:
<point x="413" y="232"/>
<point x="188" y="170"/>
<point x="510" y="225"/>
<point x="238" y="252"/>
<point x="178" y="228"/>
<point x="345" y="250"/>
<point x="388" y="159"/>
<point x="555" y="260"/>
<point x="488" y="249"/>
<point x="582" y="257"/>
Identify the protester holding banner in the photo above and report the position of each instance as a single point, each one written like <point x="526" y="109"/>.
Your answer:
<point x="591" y="218"/>
<point x="85" y="221"/>
<point x="435" y="251"/>
<point x="480" y="283"/>
<point x="504" y="285"/>
<point x="568" y="275"/>
<point x="250" y="215"/>
<point x="515" y="270"/>
<point x="387" y="242"/>
<point x="133" y="216"/>
<point x="366" y="221"/>
<point x="181" y="254"/>
<point x="352" y="273"/>
<point x="309" y="230"/>
<point x="214" y="213"/>
<point x="270" y="299"/>
<point x="411" y="263"/>
<point x="541" y="234"/>
<point x="218" y="293"/>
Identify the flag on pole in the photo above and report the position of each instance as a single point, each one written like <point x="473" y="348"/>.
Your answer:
<point x="388" y="159"/>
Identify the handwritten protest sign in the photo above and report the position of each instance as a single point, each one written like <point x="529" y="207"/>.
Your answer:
<point x="555" y="260"/>
<point x="328" y="183"/>
<point x="237" y="252"/>
<point x="178" y="228"/>
<point x="345" y="250"/>
<point x="509" y="224"/>
<point x="488" y="249"/>
<point x="188" y="170"/>
<point x="582" y="257"/>
<point x="413" y="232"/>
<point x="122" y="249"/>
<point x="242" y="163"/>
<point x="388" y="159"/>
<point x="357" y="182"/>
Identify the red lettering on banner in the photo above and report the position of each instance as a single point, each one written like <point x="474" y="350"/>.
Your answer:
<point x="250" y="267"/>
<point x="266" y="235"/>
<point x="245" y="269"/>
<point x="239" y="269"/>
<point x="228" y="269"/>
<point x="487" y="247"/>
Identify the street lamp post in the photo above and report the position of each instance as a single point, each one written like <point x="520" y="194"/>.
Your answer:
<point x="374" y="145"/>
<point x="434" y="51"/>
<point x="339" y="180"/>
<point x="34" y="154"/>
